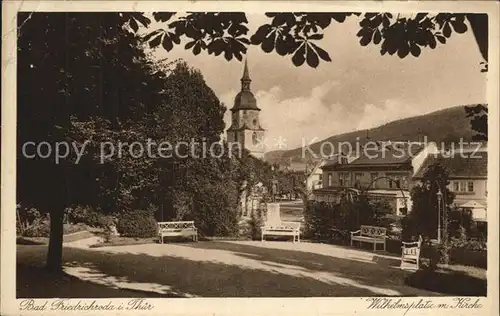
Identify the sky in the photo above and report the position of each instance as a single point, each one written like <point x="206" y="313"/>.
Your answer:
<point x="358" y="89"/>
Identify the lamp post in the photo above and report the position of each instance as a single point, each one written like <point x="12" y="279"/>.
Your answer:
<point x="439" y="197"/>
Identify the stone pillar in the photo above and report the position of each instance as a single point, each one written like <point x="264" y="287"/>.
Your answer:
<point x="273" y="213"/>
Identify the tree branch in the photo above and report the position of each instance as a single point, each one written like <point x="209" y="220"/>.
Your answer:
<point x="479" y="25"/>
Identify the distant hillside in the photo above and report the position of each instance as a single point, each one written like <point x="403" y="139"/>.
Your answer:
<point x="448" y="125"/>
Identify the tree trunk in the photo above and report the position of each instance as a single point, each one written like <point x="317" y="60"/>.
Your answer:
<point x="54" y="256"/>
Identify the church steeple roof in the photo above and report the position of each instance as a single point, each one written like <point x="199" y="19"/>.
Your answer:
<point x="246" y="75"/>
<point x="245" y="100"/>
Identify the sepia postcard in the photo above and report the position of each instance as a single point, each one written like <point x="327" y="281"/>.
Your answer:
<point x="250" y="158"/>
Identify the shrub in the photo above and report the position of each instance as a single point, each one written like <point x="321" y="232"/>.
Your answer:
<point x="318" y="217"/>
<point x="256" y="222"/>
<point x="137" y="223"/>
<point x="87" y="215"/>
<point x="70" y="229"/>
<point x="26" y="216"/>
<point x="333" y="221"/>
<point x="38" y="229"/>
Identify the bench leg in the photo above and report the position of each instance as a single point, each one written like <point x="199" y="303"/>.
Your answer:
<point x="262" y="237"/>
<point x="374" y="246"/>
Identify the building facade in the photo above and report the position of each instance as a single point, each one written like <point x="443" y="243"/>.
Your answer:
<point x="382" y="173"/>
<point x="245" y="129"/>
<point x="468" y="177"/>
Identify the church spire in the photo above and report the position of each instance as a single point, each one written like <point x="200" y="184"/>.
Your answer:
<point x="245" y="79"/>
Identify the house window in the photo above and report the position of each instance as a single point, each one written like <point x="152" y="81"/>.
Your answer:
<point x="404" y="183"/>
<point x="346" y="179"/>
<point x="320" y="177"/>
<point x="397" y="182"/>
<point x="470" y="186"/>
<point x="357" y="179"/>
<point x="236" y="136"/>
<point x="329" y="179"/>
<point x="374" y="176"/>
<point x="463" y="186"/>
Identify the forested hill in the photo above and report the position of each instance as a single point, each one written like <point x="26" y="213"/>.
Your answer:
<point x="448" y="125"/>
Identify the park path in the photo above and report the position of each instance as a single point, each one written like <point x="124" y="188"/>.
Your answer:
<point x="236" y="269"/>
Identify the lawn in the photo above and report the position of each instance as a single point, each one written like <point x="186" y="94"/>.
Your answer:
<point x="455" y="280"/>
<point x="219" y="269"/>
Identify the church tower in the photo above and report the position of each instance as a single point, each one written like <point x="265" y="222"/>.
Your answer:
<point x="245" y="126"/>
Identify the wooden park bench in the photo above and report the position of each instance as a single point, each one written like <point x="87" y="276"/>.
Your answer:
<point x="177" y="229"/>
<point x="282" y="229"/>
<point x="410" y="255"/>
<point x="370" y="234"/>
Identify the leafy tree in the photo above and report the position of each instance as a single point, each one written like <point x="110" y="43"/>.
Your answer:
<point x="423" y="219"/>
<point x="298" y="34"/>
<point x="479" y="121"/>
<point x="72" y="87"/>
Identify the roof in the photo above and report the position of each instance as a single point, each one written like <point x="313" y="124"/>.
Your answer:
<point x="333" y="160"/>
<point x="472" y="204"/>
<point x="397" y="155"/>
<point x="297" y="167"/>
<point x="372" y="192"/>
<point x="245" y="100"/>
<point x="459" y="165"/>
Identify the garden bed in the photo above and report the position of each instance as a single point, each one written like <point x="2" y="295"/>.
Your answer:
<point x="22" y="240"/>
<point x="124" y="241"/>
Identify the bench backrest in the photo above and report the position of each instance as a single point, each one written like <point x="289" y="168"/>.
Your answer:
<point x="175" y="225"/>
<point x="373" y="231"/>
<point x="284" y="226"/>
<point x="411" y="250"/>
